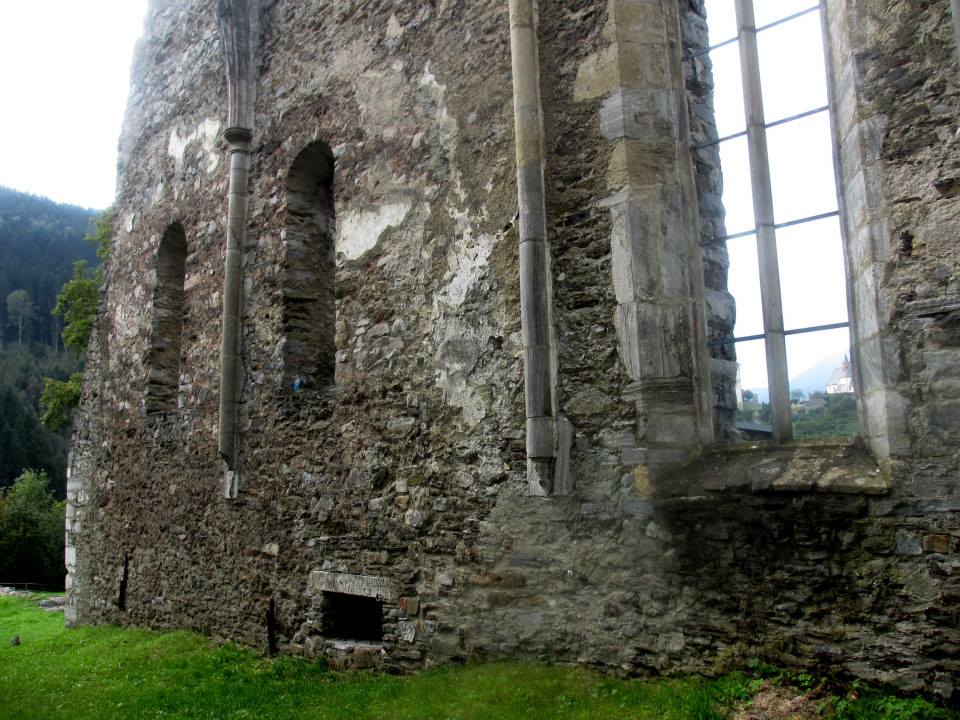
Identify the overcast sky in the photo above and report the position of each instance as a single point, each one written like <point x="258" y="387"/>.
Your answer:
<point x="64" y="80"/>
<point x="793" y="79"/>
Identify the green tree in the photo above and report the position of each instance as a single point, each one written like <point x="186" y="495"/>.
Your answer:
<point x="19" y="311"/>
<point x="836" y="418"/>
<point x="23" y="441"/>
<point x="59" y="398"/>
<point x="31" y="532"/>
<point x="77" y="306"/>
<point x="101" y="233"/>
<point x="39" y="242"/>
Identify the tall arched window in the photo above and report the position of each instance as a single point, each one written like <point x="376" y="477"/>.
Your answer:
<point x="309" y="313"/>
<point x="163" y="357"/>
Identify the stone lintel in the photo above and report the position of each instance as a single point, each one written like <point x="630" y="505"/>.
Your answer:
<point x="363" y="585"/>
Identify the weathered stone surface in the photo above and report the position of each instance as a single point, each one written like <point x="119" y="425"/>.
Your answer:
<point x="364" y="585"/>
<point x="406" y="476"/>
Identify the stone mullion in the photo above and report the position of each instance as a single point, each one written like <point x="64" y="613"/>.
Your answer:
<point x="775" y="343"/>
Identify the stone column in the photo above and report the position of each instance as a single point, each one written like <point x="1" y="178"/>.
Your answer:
<point x="775" y="345"/>
<point x="239" y="139"/>
<point x="546" y="472"/>
<point x="239" y="24"/>
<point x="656" y="261"/>
<point x="955" y="9"/>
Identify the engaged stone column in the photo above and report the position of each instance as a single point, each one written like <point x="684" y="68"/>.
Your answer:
<point x="548" y="434"/>
<point x="657" y="267"/>
<point x="239" y="23"/>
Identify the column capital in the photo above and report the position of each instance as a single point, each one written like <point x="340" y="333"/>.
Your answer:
<point x="239" y="138"/>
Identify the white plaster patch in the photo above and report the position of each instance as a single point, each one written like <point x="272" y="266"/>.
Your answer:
<point x="393" y="27"/>
<point x="468" y="259"/>
<point x="206" y="133"/>
<point x="467" y="264"/>
<point x="446" y="124"/>
<point x="379" y="94"/>
<point x="360" y="230"/>
<point x="125" y="323"/>
<point x="457" y="357"/>
<point x="352" y="59"/>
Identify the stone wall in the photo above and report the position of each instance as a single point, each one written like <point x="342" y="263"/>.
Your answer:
<point x="403" y="483"/>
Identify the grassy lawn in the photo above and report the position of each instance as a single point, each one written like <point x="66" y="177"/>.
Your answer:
<point x="108" y="672"/>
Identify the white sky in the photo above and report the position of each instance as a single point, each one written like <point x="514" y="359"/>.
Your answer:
<point x="64" y="80"/>
<point x="793" y="79"/>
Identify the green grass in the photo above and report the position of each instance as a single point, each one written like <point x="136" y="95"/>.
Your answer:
<point x="866" y="703"/>
<point x="107" y="672"/>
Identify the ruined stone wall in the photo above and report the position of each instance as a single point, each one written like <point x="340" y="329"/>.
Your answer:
<point x="404" y="481"/>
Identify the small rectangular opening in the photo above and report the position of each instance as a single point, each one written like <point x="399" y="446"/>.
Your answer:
<point x="352" y="617"/>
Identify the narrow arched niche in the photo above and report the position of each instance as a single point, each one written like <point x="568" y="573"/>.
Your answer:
<point x="163" y="356"/>
<point x="309" y="311"/>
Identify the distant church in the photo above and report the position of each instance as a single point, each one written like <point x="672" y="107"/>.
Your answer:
<point x="841" y="381"/>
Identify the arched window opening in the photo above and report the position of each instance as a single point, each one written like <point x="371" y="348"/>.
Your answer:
<point x="163" y="360"/>
<point x="309" y="312"/>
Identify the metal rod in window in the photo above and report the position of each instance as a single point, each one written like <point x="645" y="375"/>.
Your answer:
<point x="788" y="223"/>
<point x="774" y="123"/>
<point x="761" y="336"/>
<point x="781" y="21"/>
<point x="776" y="349"/>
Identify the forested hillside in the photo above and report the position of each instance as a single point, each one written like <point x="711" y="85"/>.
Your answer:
<point x="39" y="242"/>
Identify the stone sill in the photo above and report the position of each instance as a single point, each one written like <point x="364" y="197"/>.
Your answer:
<point x="819" y="466"/>
<point x="345" y="645"/>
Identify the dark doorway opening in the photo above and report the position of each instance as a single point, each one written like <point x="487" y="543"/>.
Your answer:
<point x="272" y="628"/>
<point x="352" y="617"/>
<point x="124" y="579"/>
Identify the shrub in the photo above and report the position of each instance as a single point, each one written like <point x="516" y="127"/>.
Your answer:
<point x="31" y="532"/>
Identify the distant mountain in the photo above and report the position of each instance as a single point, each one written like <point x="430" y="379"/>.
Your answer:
<point x="815" y="379"/>
<point x="812" y="380"/>
<point x="39" y="242"/>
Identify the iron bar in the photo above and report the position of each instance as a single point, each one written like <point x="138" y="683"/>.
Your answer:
<point x="796" y="331"/>
<point x="781" y="121"/>
<point x="728" y="41"/>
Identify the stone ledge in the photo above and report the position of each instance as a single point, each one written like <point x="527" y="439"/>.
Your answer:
<point x="820" y="466"/>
